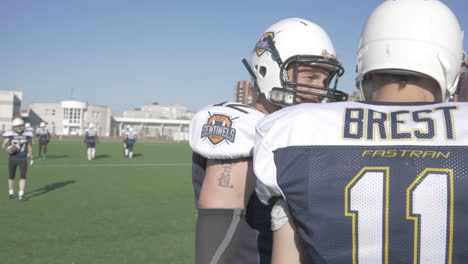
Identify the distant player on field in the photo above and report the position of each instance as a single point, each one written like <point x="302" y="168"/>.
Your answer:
<point x="29" y="129"/>
<point x="90" y="139"/>
<point x="124" y="134"/>
<point x="17" y="143"/>
<point x="44" y="138"/>
<point x="130" y="140"/>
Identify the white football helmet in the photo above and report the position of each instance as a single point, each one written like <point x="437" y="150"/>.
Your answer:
<point x="42" y="124"/>
<point x="412" y="37"/>
<point x="27" y="125"/>
<point x="18" y="125"/>
<point x="293" y="40"/>
<point x="91" y="125"/>
<point x="17" y="122"/>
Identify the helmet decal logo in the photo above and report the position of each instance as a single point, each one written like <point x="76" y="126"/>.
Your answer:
<point x="218" y="129"/>
<point x="263" y="44"/>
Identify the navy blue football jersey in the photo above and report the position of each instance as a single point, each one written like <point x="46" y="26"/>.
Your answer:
<point x="20" y="140"/>
<point x="370" y="183"/>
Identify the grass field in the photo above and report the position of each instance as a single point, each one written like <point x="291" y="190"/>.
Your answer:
<point x="109" y="210"/>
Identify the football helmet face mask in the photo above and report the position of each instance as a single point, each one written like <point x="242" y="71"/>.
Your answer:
<point x="289" y="43"/>
<point x="397" y="41"/>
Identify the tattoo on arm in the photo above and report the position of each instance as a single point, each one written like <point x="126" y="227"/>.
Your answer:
<point x="224" y="179"/>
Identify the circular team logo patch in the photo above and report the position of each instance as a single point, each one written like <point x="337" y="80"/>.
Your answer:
<point x="218" y="129"/>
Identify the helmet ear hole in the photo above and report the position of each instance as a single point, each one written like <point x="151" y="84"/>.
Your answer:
<point x="263" y="71"/>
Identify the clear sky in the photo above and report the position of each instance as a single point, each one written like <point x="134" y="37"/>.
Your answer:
<point x="126" y="53"/>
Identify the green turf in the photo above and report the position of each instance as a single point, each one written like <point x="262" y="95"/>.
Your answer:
<point x="109" y="210"/>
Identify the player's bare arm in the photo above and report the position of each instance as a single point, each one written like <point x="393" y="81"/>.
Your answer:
<point x="30" y="151"/>
<point x="283" y="250"/>
<point x="227" y="184"/>
<point x="5" y="143"/>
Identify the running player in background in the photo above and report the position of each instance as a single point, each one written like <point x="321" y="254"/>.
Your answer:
<point x="90" y="139"/>
<point x="130" y="140"/>
<point x="17" y="143"/>
<point x="124" y="134"/>
<point x="44" y="138"/>
<point x="293" y="62"/>
<point x="383" y="181"/>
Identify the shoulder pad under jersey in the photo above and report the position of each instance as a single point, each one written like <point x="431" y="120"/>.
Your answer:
<point x="224" y="131"/>
<point x="8" y="133"/>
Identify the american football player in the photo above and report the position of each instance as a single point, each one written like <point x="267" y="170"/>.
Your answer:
<point x="130" y="140"/>
<point x="27" y="127"/>
<point x="124" y="134"/>
<point x="30" y="130"/>
<point x="90" y="139"/>
<point x="293" y="62"/>
<point x="17" y="143"/>
<point x="44" y="138"/>
<point x="382" y="181"/>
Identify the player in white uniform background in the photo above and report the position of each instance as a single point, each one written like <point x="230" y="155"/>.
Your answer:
<point x="383" y="181"/>
<point x="124" y="134"/>
<point x="44" y="138"/>
<point x="293" y="62"/>
<point x="129" y="141"/>
<point x="90" y="139"/>
<point x="30" y="130"/>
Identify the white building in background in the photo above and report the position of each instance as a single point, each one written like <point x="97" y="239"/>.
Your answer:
<point x="157" y="111"/>
<point x="70" y="117"/>
<point x="167" y="129"/>
<point x="10" y="107"/>
<point x="168" y="122"/>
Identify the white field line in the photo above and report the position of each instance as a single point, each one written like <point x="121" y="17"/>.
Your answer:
<point x="109" y="165"/>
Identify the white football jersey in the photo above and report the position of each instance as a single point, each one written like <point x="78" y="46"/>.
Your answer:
<point x="30" y="131"/>
<point x="41" y="131"/>
<point x="224" y="131"/>
<point x="131" y="135"/>
<point x="91" y="132"/>
<point x="352" y="124"/>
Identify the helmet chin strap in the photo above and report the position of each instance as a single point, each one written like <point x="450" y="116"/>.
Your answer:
<point x="274" y="51"/>
<point x="249" y="69"/>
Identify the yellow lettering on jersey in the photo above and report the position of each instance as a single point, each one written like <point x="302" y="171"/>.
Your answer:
<point x="396" y="153"/>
